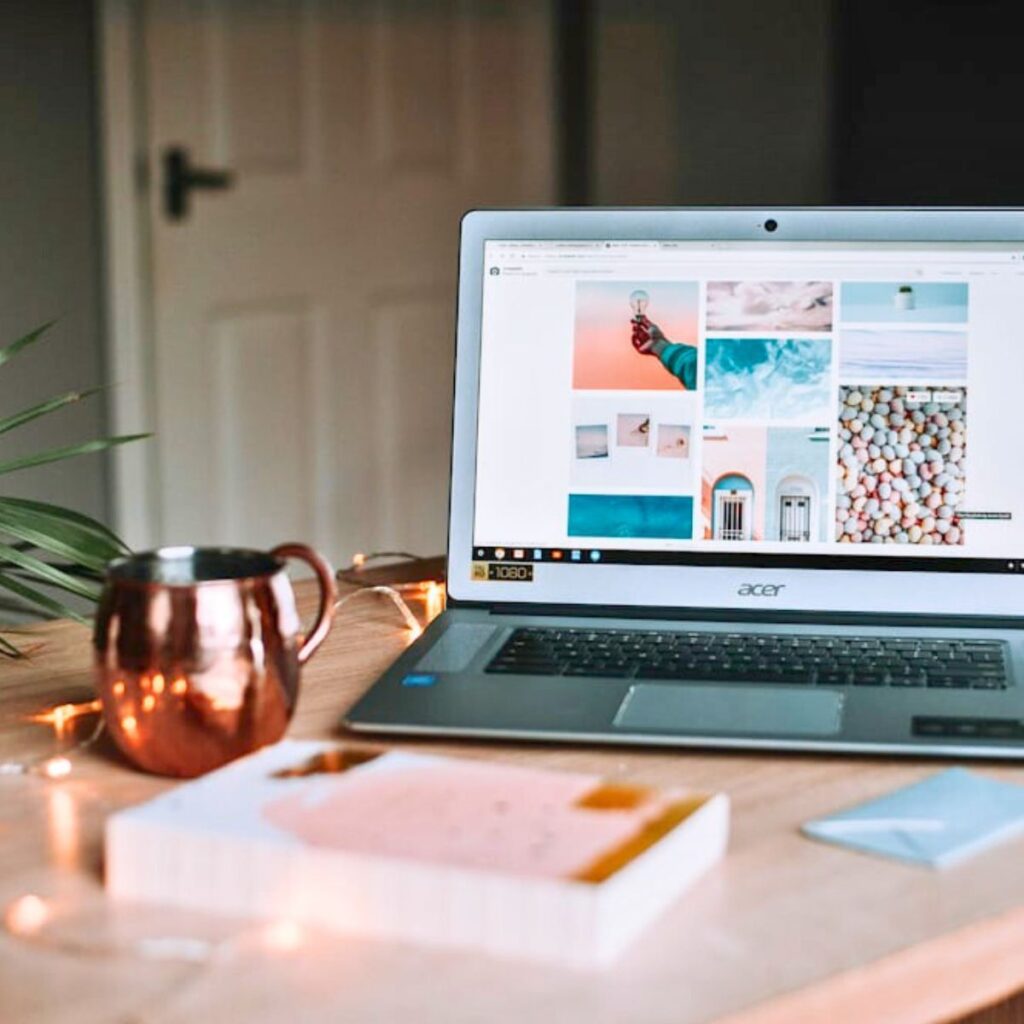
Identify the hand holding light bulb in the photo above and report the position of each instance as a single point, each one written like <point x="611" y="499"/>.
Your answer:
<point x="648" y="339"/>
<point x="646" y="334"/>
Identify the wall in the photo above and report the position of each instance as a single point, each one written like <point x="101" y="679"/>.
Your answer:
<point x="712" y="101"/>
<point x="929" y="96"/>
<point x="50" y="256"/>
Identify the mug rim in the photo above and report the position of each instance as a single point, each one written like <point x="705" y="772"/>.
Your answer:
<point x="114" y="569"/>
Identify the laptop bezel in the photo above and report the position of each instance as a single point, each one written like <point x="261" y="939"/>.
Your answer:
<point x="724" y="588"/>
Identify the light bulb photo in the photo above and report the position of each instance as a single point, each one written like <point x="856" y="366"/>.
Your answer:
<point x="638" y="301"/>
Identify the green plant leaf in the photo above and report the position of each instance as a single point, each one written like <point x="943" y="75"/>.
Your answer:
<point x="9" y="649"/>
<point x="44" y="408"/>
<point x="46" y="573"/>
<point x="58" y="536"/>
<point x="68" y="452"/>
<point x="10" y="351"/>
<point x="83" y="545"/>
<point x="41" y="600"/>
<point x="68" y="515"/>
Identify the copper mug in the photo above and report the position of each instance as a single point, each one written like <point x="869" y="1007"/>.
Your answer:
<point x="198" y="652"/>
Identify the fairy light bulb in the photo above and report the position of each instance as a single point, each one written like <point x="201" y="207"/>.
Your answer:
<point x="26" y="915"/>
<point x="638" y="301"/>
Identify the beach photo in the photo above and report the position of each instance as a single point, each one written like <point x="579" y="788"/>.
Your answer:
<point x="651" y="516"/>
<point x="633" y="430"/>
<point x="768" y="378"/>
<point x="673" y="441"/>
<point x="901" y="464"/>
<point x="904" y="302"/>
<point x="901" y="357"/>
<point x="769" y="305"/>
<point x="635" y="335"/>
<point x="592" y="441"/>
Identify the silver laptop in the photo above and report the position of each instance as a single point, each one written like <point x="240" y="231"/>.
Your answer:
<point x="732" y="478"/>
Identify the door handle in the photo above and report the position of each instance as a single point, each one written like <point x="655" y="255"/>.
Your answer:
<point x="181" y="177"/>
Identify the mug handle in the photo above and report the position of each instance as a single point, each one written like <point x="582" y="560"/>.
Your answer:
<point x="328" y="594"/>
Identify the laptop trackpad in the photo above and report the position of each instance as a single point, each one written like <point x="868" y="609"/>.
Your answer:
<point x="730" y="710"/>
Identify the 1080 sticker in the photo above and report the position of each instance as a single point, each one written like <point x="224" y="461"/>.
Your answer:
<point x="501" y="572"/>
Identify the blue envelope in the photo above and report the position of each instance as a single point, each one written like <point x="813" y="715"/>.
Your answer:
<point x="937" y="822"/>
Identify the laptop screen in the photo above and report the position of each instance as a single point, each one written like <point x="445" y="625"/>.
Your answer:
<point x="797" y="404"/>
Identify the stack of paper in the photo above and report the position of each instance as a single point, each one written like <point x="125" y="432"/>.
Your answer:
<point x="499" y="858"/>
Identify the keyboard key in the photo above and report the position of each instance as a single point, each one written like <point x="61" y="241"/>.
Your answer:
<point x="526" y="668"/>
<point x="602" y="671"/>
<point x="835" y="678"/>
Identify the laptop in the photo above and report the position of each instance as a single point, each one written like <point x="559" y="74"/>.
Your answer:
<point x="732" y="478"/>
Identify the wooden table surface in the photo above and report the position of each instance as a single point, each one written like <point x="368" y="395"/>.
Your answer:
<point x="784" y="930"/>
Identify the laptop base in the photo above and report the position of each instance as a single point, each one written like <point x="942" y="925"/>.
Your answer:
<point x="440" y="686"/>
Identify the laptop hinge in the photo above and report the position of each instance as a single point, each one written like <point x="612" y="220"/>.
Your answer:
<point x="782" y="616"/>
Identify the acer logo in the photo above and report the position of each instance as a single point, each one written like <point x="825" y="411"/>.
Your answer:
<point x="761" y="589"/>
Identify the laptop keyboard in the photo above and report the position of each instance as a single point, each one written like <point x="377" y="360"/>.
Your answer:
<point x="754" y="658"/>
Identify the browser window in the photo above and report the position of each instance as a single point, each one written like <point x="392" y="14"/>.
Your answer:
<point x="749" y="402"/>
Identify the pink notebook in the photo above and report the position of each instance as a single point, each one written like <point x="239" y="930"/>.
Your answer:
<point x="499" y="858"/>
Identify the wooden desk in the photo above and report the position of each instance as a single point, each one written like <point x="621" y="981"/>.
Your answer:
<point x="785" y="930"/>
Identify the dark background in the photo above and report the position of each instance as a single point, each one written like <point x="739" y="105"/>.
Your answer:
<point x="799" y="102"/>
<point x="928" y="103"/>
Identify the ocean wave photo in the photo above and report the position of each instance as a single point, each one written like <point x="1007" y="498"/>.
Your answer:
<point x="767" y="378"/>
<point x="899" y="356"/>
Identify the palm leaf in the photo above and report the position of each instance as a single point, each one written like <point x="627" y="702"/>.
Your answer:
<point x="41" y="600"/>
<point x="46" y="573"/>
<point x="79" y="547"/>
<point x="43" y="508"/>
<point x="58" y="536"/>
<point x="10" y="351"/>
<point x="9" y="649"/>
<point x="68" y="452"/>
<point x="44" y="408"/>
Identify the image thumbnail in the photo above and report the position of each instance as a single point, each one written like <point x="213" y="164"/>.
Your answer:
<point x="769" y="305"/>
<point x="635" y="335"/>
<point x="592" y="441"/>
<point x="903" y="356"/>
<point x="767" y="378"/>
<point x="657" y="517"/>
<point x="905" y="302"/>
<point x="901" y="462"/>
<point x="630" y="444"/>
<point x="765" y="484"/>
<point x="673" y="441"/>
<point x="632" y="430"/>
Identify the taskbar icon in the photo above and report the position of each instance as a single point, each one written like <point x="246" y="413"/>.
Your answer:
<point x="539" y="555"/>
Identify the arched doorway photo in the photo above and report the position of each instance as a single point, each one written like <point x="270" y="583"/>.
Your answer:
<point x="733" y="504"/>
<point x="796" y="499"/>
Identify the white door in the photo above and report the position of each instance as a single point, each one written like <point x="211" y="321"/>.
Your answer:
<point x="303" y="318"/>
<point x="732" y="515"/>
<point x="795" y="517"/>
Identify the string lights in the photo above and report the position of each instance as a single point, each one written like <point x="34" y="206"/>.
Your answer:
<point x="63" y="715"/>
<point x="37" y="919"/>
<point x="429" y="593"/>
<point x="61" y="718"/>
<point x="34" y="919"/>
<point x="64" y="718"/>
